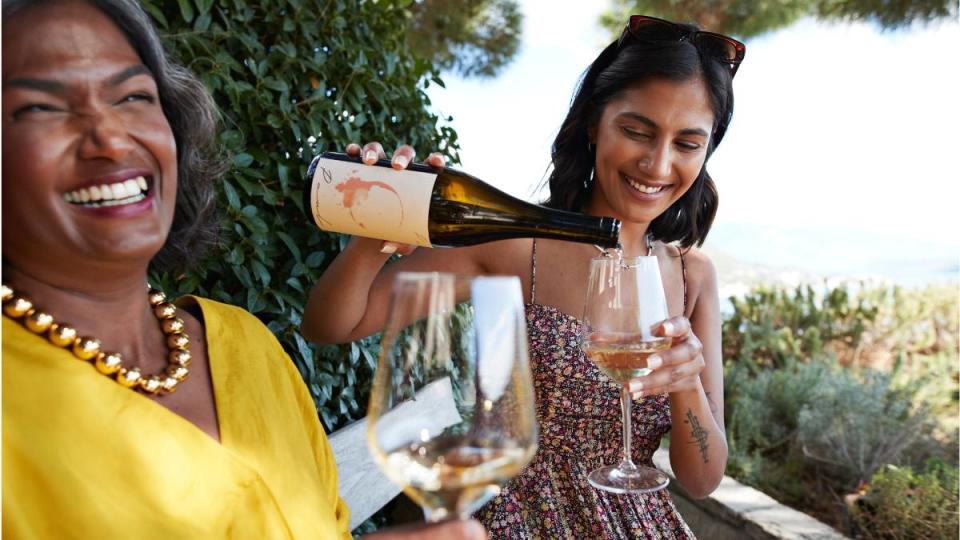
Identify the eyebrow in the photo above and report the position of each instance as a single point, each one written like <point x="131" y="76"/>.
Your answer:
<point x="646" y="121"/>
<point x="55" y="87"/>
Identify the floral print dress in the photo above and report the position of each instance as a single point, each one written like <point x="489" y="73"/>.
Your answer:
<point x="578" y="409"/>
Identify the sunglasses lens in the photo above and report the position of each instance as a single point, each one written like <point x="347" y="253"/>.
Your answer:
<point x="718" y="47"/>
<point x="654" y="29"/>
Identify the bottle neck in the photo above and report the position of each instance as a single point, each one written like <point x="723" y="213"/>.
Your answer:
<point x="601" y="231"/>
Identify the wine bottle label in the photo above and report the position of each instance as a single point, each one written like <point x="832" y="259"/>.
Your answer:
<point x="371" y="201"/>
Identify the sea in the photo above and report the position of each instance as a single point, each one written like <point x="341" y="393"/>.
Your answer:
<point x="747" y="255"/>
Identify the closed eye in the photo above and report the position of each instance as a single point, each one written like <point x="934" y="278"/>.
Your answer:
<point x="32" y="108"/>
<point x="138" y="96"/>
<point x="630" y="132"/>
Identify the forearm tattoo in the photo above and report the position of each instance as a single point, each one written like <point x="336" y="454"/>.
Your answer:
<point x="698" y="433"/>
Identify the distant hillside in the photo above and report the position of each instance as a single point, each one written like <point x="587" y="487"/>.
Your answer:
<point x="746" y="254"/>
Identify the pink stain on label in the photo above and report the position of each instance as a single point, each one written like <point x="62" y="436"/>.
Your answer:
<point x="356" y="190"/>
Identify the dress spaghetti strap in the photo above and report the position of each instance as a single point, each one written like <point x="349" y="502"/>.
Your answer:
<point x="683" y="270"/>
<point x="533" y="274"/>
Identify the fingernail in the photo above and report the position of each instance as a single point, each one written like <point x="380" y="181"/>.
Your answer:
<point x="388" y="248"/>
<point x="668" y="328"/>
<point x="636" y="387"/>
<point x="401" y="161"/>
<point x="370" y="156"/>
<point x="654" y="361"/>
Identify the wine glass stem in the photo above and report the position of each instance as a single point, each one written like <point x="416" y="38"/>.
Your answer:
<point x="625" y="403"/>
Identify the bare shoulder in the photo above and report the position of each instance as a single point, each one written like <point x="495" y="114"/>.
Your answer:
<point x="700" y="269"/>
<point x="701" y="276"/>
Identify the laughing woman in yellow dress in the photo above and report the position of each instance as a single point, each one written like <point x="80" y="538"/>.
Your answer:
<point x="125" y="415"/>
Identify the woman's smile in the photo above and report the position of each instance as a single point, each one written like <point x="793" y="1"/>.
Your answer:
<point x="645" y="190"/>
<point x="121" y="194"/>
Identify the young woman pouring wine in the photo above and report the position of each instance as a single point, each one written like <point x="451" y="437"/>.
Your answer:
<point x="646" y="117"/>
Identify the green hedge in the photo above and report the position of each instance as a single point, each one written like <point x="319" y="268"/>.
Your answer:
<point x="826" y="390"/>
<point x="294" y="78"/>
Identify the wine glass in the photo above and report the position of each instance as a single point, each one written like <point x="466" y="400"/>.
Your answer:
<point x="451" y="414"/>
<point x="624" y="302"/>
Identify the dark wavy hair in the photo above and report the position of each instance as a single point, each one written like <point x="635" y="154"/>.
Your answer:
<point x="194" y="120"/>
<point x="618" y="67"/>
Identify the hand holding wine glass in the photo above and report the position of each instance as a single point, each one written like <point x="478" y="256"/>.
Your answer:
<point x="676" y="369"/>
<point x="625" y="304"/>
<point x="451" y="414"/>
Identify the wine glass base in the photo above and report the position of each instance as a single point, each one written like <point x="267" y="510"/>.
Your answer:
<point x="615" y="480"/>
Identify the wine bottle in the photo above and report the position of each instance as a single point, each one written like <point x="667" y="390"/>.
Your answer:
<point x="434" y="208"/>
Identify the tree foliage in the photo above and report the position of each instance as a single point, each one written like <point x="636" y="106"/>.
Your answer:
<point x="473" y="38"/>
<point x="293" y="78"/>
<point x="749" y="18"/>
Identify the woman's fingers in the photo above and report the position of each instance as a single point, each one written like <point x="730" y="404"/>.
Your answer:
<point x="437" y="160"/>
<point x="676" y="327"/>
<point x="353" y="149"/>
<point x="673" y="370"/>
<point x="372" y="151"/>
<point x="403" y="156"/>
<point x="389" y="248"/>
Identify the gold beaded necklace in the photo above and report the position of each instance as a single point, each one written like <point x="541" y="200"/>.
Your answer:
<point x="87" y="348"/>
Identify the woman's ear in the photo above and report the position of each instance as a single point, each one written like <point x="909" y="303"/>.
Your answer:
<point x="592" y="134"/>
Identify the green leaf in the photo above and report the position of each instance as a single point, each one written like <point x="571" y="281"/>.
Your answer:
<point x="315" y="259"/>
<point x="233" y="200"/>
<point x="242" y="160"/>
<point x="291" y="245"/>
<point x="202" y="24"/>
<point x="276" y="84"/>
<point x="186" y="10"/>
<point x="261" y="271"/>
<point x="157" y="15"/>
<point x="204" y="6"/>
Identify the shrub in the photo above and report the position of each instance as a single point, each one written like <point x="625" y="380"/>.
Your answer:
<point x="293" y="78"/>
<point x="811" y="411"/>
<point x="818" y="422"/>
<point x="901" y="504"/>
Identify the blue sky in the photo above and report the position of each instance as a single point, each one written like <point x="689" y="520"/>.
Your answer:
<point x="837" y="126"/>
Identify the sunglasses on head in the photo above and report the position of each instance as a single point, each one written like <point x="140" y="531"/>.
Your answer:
<point x="725" y="49"/>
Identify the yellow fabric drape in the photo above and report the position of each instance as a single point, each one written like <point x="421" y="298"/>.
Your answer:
<point x="85" y="458"/>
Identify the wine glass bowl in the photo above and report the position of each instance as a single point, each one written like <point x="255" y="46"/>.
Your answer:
<point x="624" y="304"/>
<point x="451" y="415"/>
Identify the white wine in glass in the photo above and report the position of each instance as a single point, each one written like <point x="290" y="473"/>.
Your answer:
<point x="451" y="415"/>
<point x="624" y="303"/>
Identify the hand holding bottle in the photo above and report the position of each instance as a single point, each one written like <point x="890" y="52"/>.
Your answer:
<point x="402" y="156"/>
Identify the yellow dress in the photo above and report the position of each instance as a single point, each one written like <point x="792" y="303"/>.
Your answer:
<point x="85" y="458"/>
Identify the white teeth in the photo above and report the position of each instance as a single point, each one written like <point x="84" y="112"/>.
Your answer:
<point x="119" y="191"/>
<point x="643" y="188"/>
<point x="126" y="192"/>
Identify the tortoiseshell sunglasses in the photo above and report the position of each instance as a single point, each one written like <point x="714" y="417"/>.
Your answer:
<point x="724" y="48"/>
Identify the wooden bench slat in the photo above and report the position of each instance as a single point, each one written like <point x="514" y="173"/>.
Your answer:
<point x="361" y="483"/>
